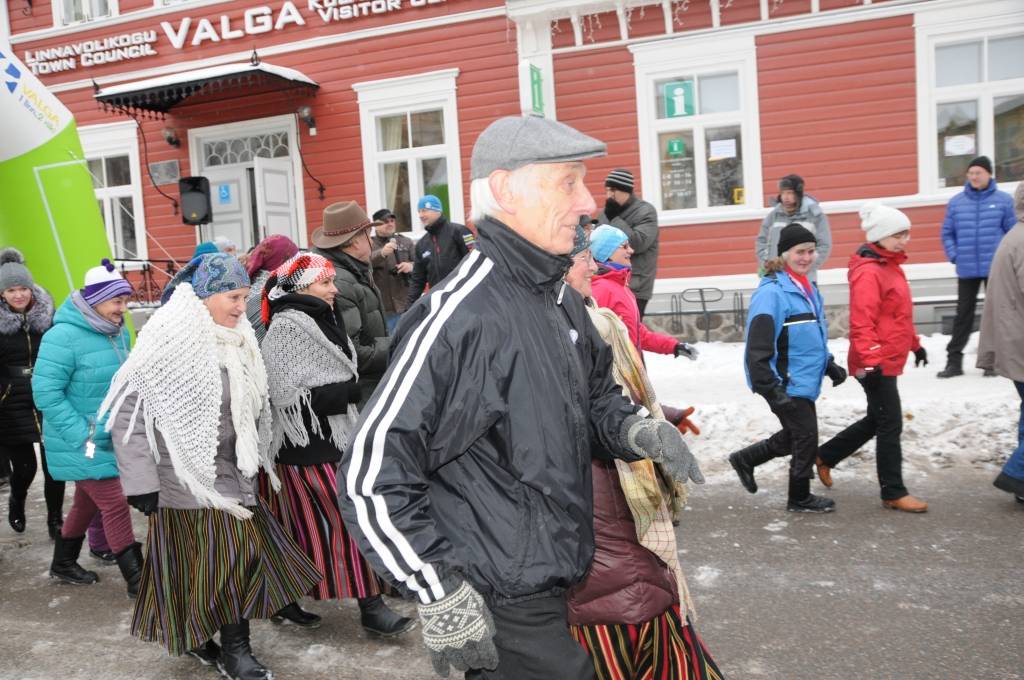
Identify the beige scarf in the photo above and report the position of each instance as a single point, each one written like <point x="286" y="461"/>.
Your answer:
<point x="650" y="493"/>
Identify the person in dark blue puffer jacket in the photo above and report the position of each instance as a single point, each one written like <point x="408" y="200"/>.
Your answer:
<point x="976" y="220"/>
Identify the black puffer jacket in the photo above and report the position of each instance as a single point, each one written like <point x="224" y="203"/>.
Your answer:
<point x="497" y="384"/>
<point x="438" y="252"/>
<point x="19" y="344"/>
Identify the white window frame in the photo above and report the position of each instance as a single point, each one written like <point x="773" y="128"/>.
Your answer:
<point x="58" y="14"/>
<point x="391" y="96"/>
<point x="119" y="139"/>
<point x="950" y="25"/>
<point x="689" y="56"/>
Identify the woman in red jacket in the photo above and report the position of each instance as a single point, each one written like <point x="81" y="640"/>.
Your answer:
<point x="881" y="335"/>
<point x="613" y="254"/>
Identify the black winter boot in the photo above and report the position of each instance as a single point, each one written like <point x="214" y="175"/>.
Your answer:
<point x="206" y="653"/>
<point x="954" y="367"/>
<point x="54" y="523"/>
<point x="65" y="565"/>
<point x="378" y="619"/>
<point x="129" y="561"/>
<point x="293" y="613"/>
<point x="16" y="513"/>
<point x="236" y="661"/>
<point x="745" y="460"/>
<point x="802" y="500"/>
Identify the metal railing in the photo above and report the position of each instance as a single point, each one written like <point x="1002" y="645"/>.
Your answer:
<point x="148" y="278"/>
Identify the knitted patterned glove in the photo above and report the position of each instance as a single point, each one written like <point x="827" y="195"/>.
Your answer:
<point x="458" y="632"/>
<point x="662" y="443"/>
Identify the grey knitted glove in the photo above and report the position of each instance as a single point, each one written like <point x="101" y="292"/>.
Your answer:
<point x="458" y="632"/>
<point x="662" y="443"/>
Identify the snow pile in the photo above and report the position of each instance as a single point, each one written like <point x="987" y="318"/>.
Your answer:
<point x="968" y="420"/>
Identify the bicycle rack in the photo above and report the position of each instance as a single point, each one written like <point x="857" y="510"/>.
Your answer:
<point x="703" y="296"/>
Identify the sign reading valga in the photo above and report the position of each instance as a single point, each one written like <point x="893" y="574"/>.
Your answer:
<point x="190" y="32"/>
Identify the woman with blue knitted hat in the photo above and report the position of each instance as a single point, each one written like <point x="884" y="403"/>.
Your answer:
<point x="190" y="420"/>
<point x="26" y="312"/>
<point x="77" y="359"/>
<point x="613" y="254"/>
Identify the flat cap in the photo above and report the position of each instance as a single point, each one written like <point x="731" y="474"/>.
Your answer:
<point x="514" y="141"/>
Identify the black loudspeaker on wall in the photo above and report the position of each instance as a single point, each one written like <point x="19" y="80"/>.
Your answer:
<point x="195" y="200"/>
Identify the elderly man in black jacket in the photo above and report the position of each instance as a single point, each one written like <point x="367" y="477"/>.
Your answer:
<point x="467" y="479"/>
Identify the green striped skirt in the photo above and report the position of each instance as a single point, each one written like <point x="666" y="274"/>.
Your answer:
<point x="205" y="569"/>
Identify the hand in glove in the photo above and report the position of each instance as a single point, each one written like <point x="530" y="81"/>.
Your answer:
<point x="663" y="444"/>
<point x="458" y="632"/>
<point x="680" y="418"/>
<point x="870" y="376"/>
<point x="146" y="503"/>
<point x="920" y="357"/>
<point x="684" y="350"/>
<point x="836" y="372"/>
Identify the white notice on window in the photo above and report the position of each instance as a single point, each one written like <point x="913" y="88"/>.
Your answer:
<point x="722" y="148"/>
<point x="959" y="145"/>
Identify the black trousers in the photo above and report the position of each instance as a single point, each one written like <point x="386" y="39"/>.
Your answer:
<point x="797" y="438"/>
<point x="963" y="323"/>
<point x="533" y="643"/>
<point x="23" y="470"/>
<point x="884" y="422"/>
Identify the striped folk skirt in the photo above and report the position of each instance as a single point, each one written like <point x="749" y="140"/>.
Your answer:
<point x="663" y="648"/>
<point x="307" y="508"/>
<point x="205" y="569"/>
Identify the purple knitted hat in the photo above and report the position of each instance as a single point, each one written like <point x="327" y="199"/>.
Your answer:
<point x="104" y="283"/>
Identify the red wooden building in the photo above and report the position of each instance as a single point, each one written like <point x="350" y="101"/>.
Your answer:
<point x="708" y="102"/>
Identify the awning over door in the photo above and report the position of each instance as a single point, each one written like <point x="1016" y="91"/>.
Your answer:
<point x="160" y="95"/>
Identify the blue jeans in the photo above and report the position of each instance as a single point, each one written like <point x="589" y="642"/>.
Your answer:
<point x="1015" y="466"/>
<point x="391" y="320"/>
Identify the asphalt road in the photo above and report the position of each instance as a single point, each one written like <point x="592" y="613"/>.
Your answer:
<point x="861" y="594"/>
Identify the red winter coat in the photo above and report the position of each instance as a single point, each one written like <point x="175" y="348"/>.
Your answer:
<point x="881" y="311"/>
<point x="626" y="583"/>
<point x="611" y="290"/>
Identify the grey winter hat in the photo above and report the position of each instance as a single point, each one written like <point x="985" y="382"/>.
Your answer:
<point x="13" y="271"/>
<point x="514" y="141"/>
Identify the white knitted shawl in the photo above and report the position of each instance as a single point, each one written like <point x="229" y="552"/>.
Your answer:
<point x="298" y="357"/>
<point x="175" y="370"/>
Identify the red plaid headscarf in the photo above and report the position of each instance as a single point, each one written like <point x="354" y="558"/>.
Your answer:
<point x="300" y="271"/>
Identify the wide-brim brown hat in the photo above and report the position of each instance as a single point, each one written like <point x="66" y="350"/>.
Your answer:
<point x="342" y="222"/>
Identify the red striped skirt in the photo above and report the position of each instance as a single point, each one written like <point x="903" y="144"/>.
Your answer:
<point x="307" y="508"/>
<point x="663" y="648"/>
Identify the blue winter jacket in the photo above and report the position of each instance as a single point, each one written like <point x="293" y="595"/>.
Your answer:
<point x="72" y="374"/>
<point x="974" y="225"/>
<point x="787" y="338"/>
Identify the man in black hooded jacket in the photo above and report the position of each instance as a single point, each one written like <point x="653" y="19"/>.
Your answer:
<point x="467" y="478"/>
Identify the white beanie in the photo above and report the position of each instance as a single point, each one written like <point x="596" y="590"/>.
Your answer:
<point x="880" y="221"/>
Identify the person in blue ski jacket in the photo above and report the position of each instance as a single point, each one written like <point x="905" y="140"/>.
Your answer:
<point x="785" y="360"/>
<point x="976" y="221"/>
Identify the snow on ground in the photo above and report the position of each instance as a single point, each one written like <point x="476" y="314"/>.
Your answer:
<point x="969" y="420"/>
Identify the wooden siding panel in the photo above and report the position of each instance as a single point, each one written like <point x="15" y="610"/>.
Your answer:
<point x="778" y="9"/>
<point x="612" y="119"/>
<point x="728" y="247"/>
<point x="645" y="20"/>
<point x="740" y="12"/>
<point x="861" y="79"/>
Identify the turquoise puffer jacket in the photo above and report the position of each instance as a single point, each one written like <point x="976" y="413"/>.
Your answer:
<point x="72" y="374"/>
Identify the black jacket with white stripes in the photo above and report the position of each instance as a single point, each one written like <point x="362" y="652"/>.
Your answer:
<point x="472" y="458"/>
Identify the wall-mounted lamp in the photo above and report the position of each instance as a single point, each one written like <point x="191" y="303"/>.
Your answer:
<point x="305" y="114"/>
<point x="171" y="137"/>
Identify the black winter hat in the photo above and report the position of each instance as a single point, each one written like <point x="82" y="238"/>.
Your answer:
<point x="793" y="234"/>
<point x="982" y="162"/>
<point x="793" y="183"/>
<point x="382" y="215"/>
<point x="620" y="179"/>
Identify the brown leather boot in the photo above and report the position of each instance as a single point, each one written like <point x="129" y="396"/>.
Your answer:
<point x="907" y="504"/>
<point x="824" y="472"/>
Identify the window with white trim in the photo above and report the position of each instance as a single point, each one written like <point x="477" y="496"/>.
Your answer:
<point x="698" y="121"/>
<point x="68" y="12"/>
<point x="979" y="106"/>
<point x="411" y="145"/>
<point x="111" y="152"/>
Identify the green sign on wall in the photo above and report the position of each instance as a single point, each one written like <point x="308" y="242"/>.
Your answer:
<point x="678" y="98"/>
<point x="536" y="89"/>
<point x="676" y="147"/>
